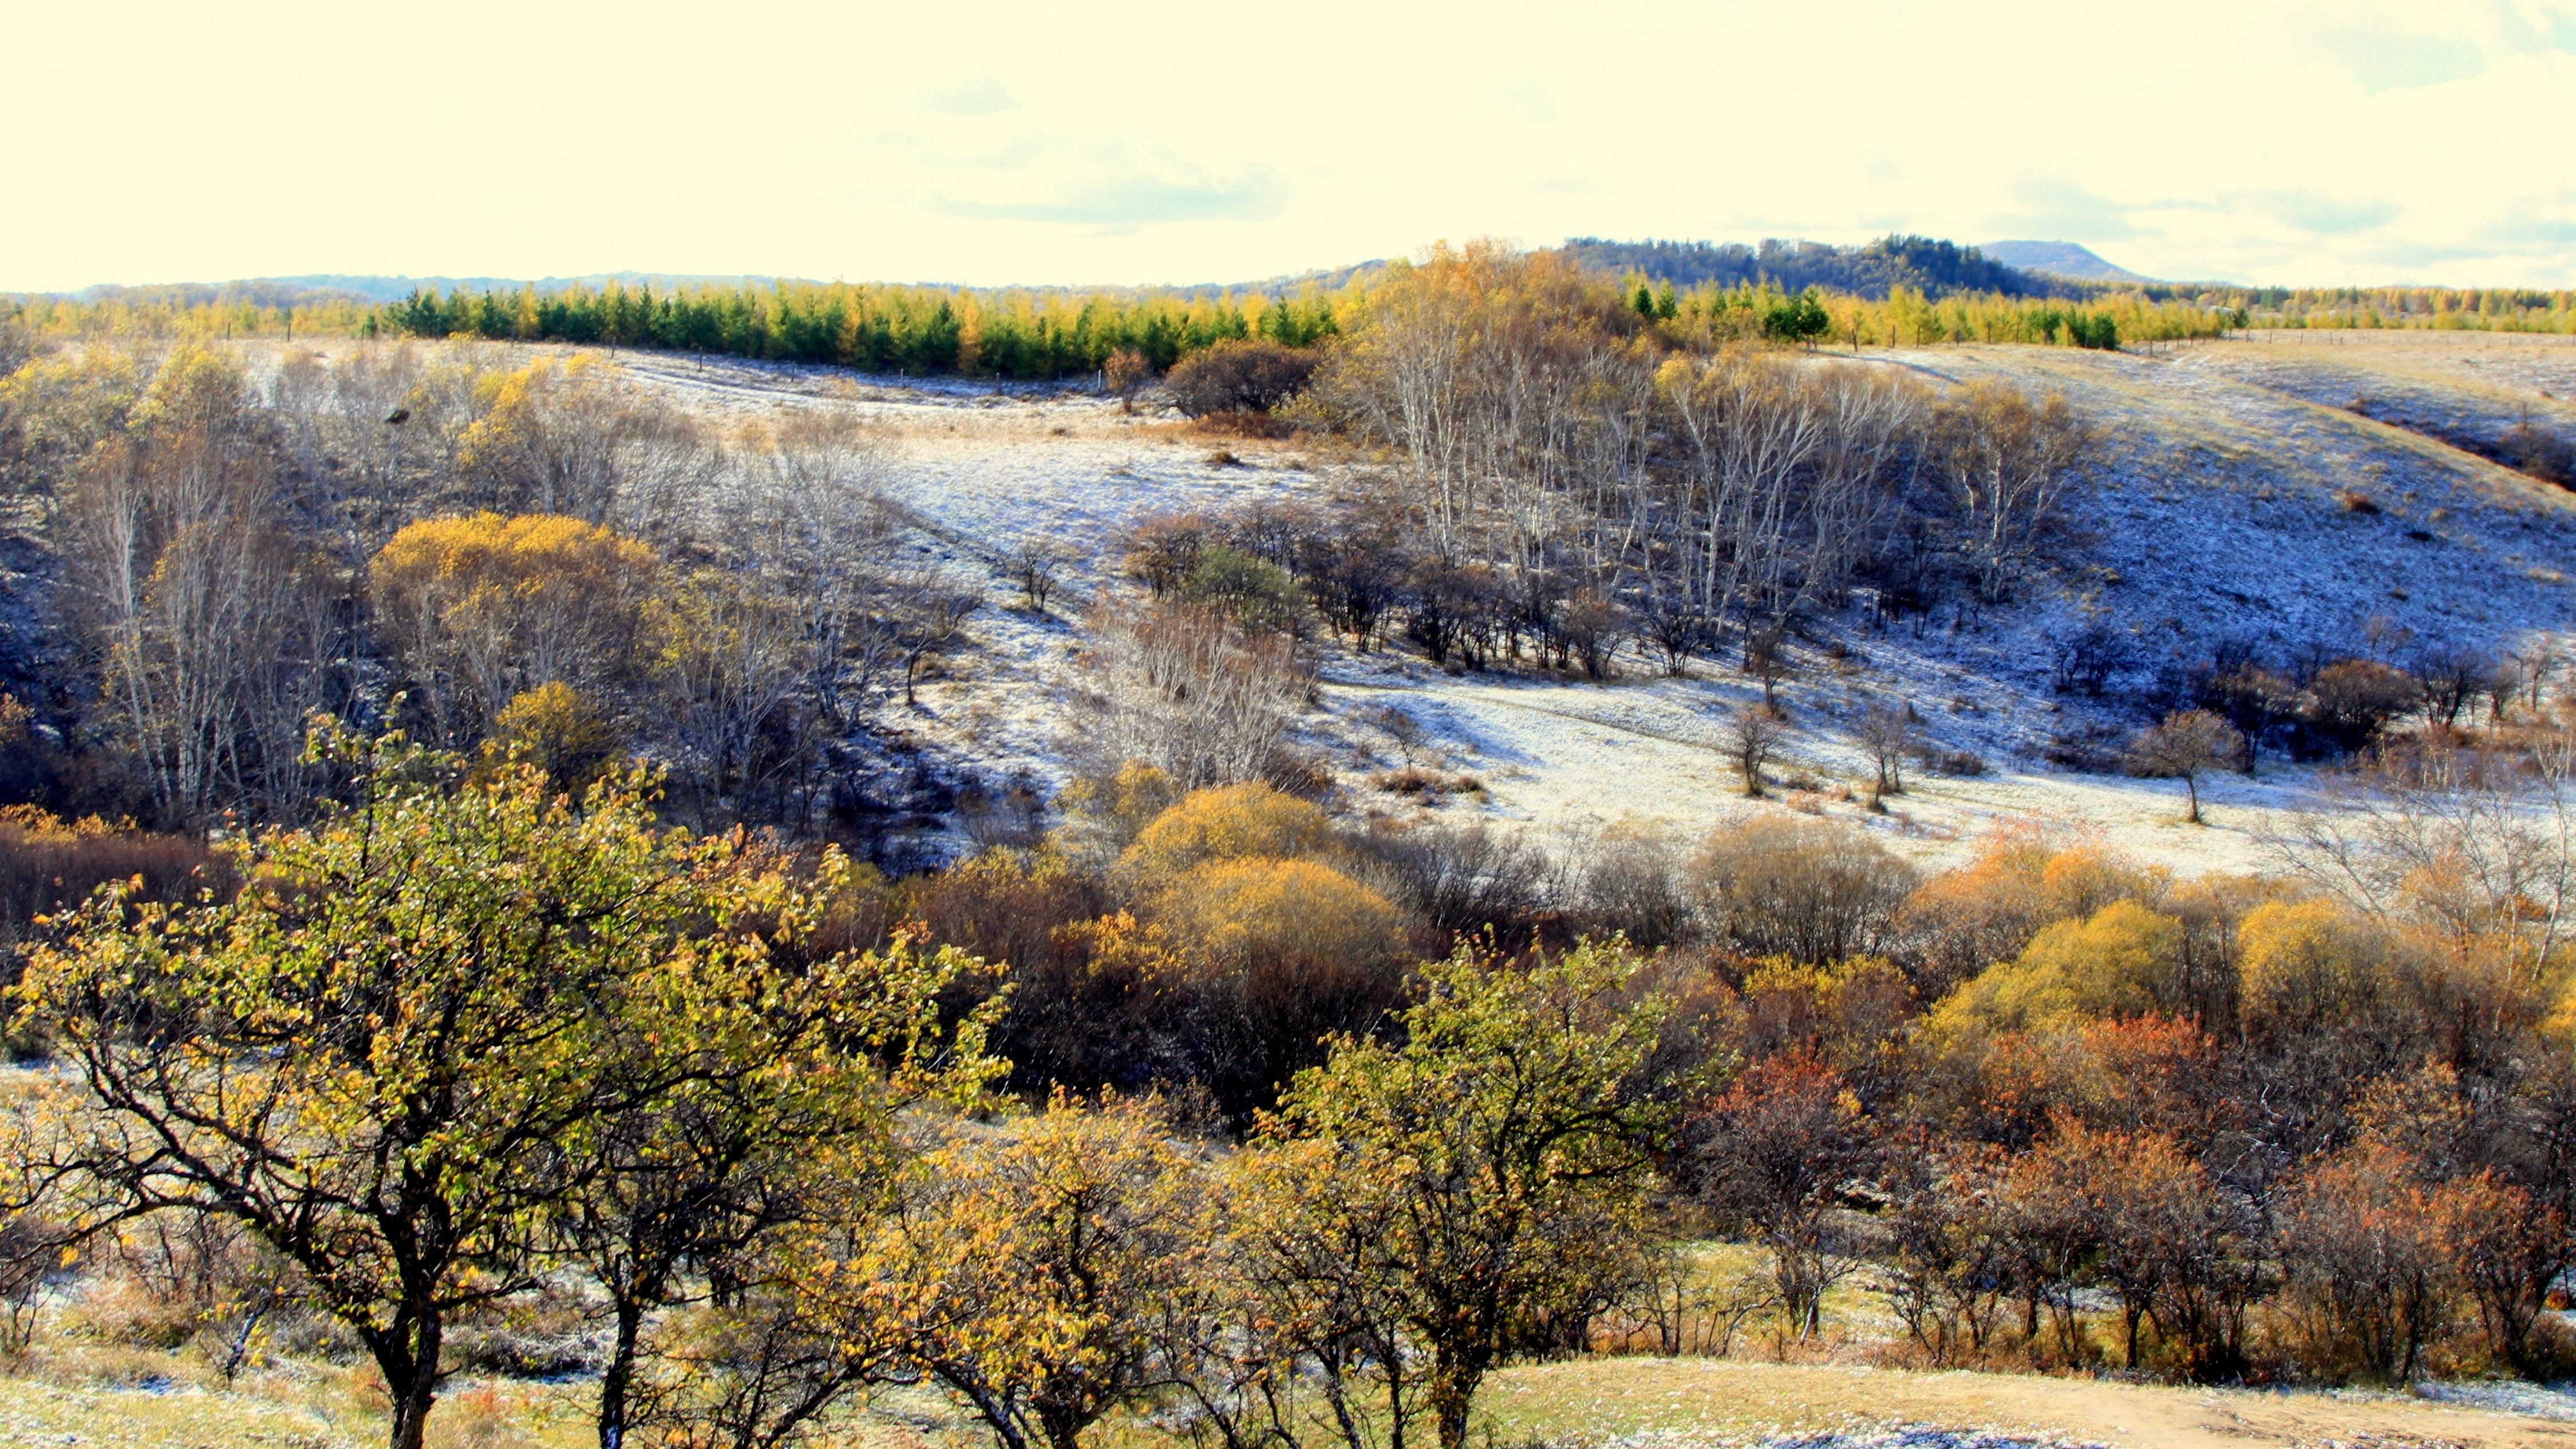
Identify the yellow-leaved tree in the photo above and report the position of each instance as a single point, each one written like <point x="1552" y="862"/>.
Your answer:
<point x="453" y="1033"/>
<point x="1034" y="1265"/>
<point x="481" y="608"/>
<point x="1481" y="1179"/>
<point x="2123" y="960"/>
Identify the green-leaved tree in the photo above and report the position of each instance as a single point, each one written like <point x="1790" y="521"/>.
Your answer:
<point x="1499" y="1154"/>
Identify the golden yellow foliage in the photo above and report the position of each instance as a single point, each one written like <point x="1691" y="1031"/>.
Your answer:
<point x="482" y="607"/>
<point x="1034" y="1264"/>
<point x="2299" y="960"/>
<point x="1241" y="909"/>
<point x="2020" y="880"/>
<point x="2124" y="960"/>
<point x="1225" y="822"/>
<point x="557" y="729"/>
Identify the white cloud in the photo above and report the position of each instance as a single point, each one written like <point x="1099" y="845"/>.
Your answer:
<point x="2277" y="140"/>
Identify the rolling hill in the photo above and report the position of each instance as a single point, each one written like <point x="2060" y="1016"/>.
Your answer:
<point x="2059" y="259"/>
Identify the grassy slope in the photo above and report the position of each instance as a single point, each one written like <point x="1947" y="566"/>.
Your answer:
<point x="1683" y="1403"/>
<point x="2218" y="517"/>
<point x="1704" y="1401"/>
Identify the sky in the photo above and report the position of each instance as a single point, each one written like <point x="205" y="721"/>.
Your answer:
<point x="2289" y="143"/>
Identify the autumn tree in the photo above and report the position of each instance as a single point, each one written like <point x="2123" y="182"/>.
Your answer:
<point x="1775" y="1153"/>
<point x="2367" y="1266"/>
<point x="1030" y="1265"/>
<point x="1306" y="1247"/>
<point x="478" y="609"/>
<point x="2011" y="461"/>
<point x="374" y="1057"/>
<point x="1499" y="1151"/>
<point x="2123" y="960"/>
<point x="751" y="1098"/>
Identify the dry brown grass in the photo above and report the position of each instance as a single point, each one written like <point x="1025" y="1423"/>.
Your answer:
<point x="1687" y="1401"/>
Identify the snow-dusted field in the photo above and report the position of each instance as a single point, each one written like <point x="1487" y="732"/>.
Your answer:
<point x="2221" y="513"/>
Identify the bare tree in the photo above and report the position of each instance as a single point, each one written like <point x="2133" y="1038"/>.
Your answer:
<point x="1887" y="732"/>
<point x="1036" y="562"/>
<point x="2010" y="462"/>
<point x="1182" y="688"/>
<point x="2452" y="678"/>
<point x="929" y="610"/>
<point x="211" y="623"/>
<point x="812" y="521"/>
<point x="1748" y="734"/>
<point x="2189" y="744"/>
<point x="2472" y="842"/>
<point x="572" y="438"/>
<point x="727" y="657"/>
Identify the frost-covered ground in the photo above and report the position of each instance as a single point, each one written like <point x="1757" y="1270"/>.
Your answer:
<point x="1911" y="1436"/>
<point x="2221" y="513"/>
<point x="2508" y="1396"/>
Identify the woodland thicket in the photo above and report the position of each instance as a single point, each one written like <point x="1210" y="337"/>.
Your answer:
<point x="501" y="966"/>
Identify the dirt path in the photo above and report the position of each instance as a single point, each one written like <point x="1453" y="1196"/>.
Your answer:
<point x="1700" y="1401"/>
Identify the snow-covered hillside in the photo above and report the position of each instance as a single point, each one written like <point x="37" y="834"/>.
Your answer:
<point x="2225" y="509"/>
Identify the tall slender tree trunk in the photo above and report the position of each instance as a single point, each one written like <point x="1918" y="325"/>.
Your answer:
<point x="1451" y="1394"/>
<point x="619" y="1377"/>
<point x="409" y="1362"/>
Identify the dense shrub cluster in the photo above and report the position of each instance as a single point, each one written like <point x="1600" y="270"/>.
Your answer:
<point x="1239" y="377"/>
<point x="501" y="555"/>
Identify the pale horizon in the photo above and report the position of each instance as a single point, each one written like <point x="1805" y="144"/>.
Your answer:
<point x="2270" y="144"/>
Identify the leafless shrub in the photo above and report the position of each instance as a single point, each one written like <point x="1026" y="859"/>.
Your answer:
<point x="1428" y="785"/>
<point x="1685" y="1302"/>
<point x="1628" y="880"/>
<point x="2451" y="678"/>
<point x="1814" y="891"/>
<point x="1463" y="878"/>
<point x="1400" y="724"/>
<point x="928" y="609"/>
<point x="2540" y="452"/>
<point x="1036" y="562"/>
<point x="1012" y="816"/>
<point x="1163" y="550"/>
<point x="48" y="865"/>
<point x="1184" y="689"/>
<point x="1958" y="764"/>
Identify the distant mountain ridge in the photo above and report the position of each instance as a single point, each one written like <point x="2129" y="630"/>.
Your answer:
<point x="1933" y="267"/>
<point x="2060" y="259"/>
<point x="370" y="287"/>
